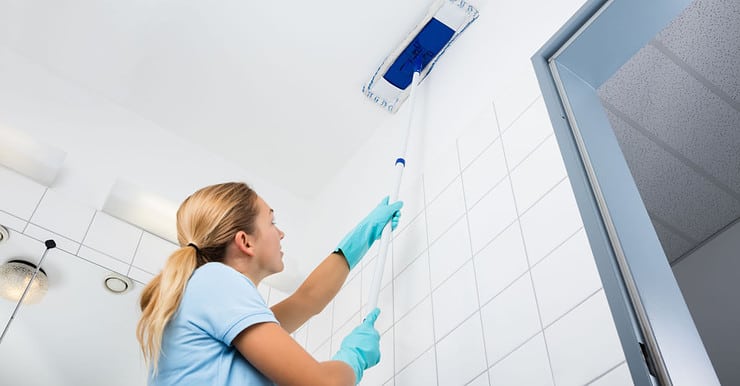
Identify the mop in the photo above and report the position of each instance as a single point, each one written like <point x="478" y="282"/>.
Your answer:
<point x="397" y="78"/>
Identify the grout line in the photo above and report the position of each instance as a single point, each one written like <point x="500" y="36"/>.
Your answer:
<point x="429" y="274"/>
<point x="607" y="372"/>
<point x="138" y="244"/>
<point x="476" y="376"/>
<point x="35" y="208"/>
<point x="89" y="225"/>
<point x="472" y="261"/>
<point x="573" y="308"/>
<point x="526" y="254"/>
<point x="508" y="354"/>
<point x="557" y="184"/>
<point x="550" y="252"/>
<point x="539" y="145"/>
<point x="526" y="109"/>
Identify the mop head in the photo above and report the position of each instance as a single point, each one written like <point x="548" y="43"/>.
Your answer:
<point x="445" y="21"/>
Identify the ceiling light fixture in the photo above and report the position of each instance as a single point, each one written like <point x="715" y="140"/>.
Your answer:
<point x="15" y="276"/>
<point x="20" y="281"/>
<point x="142" y="208"/>
<point x="29" y="156"/>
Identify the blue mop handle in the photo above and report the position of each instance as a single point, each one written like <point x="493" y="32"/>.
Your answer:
<point x="385" y="238"/>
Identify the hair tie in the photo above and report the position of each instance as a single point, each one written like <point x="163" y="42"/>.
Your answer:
<point x="194" y="247"/>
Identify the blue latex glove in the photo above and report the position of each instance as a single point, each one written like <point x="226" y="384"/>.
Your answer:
<point x="361" y="348"/>
<point x="361" y="238"/>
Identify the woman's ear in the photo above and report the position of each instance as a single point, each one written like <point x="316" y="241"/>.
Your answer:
<point x="244" y="243"/>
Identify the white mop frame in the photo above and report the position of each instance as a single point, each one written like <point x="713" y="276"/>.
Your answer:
<point x="455" y="14"/>
<point x="460" y="15"/>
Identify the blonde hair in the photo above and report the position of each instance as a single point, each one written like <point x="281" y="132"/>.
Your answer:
<point x="209" y="218"/>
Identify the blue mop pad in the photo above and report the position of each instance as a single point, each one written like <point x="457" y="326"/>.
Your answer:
<point x="446" y="20"/>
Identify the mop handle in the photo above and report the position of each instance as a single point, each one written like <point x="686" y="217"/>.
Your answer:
<point x="385" y="237"/>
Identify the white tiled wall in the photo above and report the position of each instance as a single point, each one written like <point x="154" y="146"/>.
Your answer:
<point x="42" y="213"/>
<point x="493" y="282"/>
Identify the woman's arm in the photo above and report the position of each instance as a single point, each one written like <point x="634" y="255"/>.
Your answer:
<point x="277" y="356"/>
<point x="314" y="294"/>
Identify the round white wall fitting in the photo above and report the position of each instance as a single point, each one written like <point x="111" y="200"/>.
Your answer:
<point x="4" y="234"/>
<point x="118" y="284"/>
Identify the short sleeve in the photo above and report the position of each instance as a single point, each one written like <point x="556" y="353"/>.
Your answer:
<point x="223" y="302"/>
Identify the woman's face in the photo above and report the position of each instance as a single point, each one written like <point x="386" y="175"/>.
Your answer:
<point x="267" y="239"/>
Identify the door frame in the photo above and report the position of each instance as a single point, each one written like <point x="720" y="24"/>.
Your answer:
<point x="658" y="335"/>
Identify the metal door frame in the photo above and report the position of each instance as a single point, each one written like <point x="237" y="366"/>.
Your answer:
<point x="658" y="335"/>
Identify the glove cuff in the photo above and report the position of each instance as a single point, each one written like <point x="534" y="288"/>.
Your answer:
<point x="354" y="361"/>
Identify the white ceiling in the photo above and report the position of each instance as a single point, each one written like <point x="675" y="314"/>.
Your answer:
<point x="261" y="83"/>
<point x="675" y="108"/>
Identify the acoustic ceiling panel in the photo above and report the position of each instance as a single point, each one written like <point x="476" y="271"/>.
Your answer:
<point x="706" y="37"/>
<point x="679" y="113"/>
<point x="673" y="244"/>
<point x="671" y="190"/>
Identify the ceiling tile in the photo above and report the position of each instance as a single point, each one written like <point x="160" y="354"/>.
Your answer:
<point x="674" y="108"/>
<point x="712" y="47"/>
<point x="672" y="190"/>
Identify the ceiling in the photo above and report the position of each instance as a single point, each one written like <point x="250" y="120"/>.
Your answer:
<point x="675" y="109"/>
<point x="260" y="83"/>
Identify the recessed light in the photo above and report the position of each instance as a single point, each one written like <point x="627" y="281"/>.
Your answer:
<point x="117" y="284"/>
<point x="4" y="234"/>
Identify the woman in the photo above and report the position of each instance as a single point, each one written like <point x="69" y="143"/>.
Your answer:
<point x="204" y="322"/>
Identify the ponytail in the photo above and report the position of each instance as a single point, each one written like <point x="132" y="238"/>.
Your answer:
<point x="159" y="301"/>
<point x="206" y="221"/>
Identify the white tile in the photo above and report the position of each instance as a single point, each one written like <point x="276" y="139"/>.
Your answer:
<point x="113" y="237"/>
<point x="383" y="371"/>
<point x="422" y="371"/>
<point x="620" y="376"/>
<point x="526" y="133"/>
<point x="478" y="136"/>
<point x="574" y="261"/>
<point x="368" y="274"/>
<point x="500" y="262"/>
<point x="462" y="356"/>
<point x="491" y="215"/>
<point x="153" y="252"/>
<point x="63" y="216"/>
<point x="412" y="195"/>
<point x="440" y="171"/>
<point x="323" y="353"/>
<point x="484" y="173"/>
<point x="300" y="336"/>
<point x="482" y="380"/>
<point x="20" y="195"/>
<point x="411" y="286"/>
<point x="102" y="260"/>
<point x="449" y="252"/>
<point x="12" y="222"/>
<point x="414" y="334"/>
<point x="409" y="243"/>
<point x="510" y="319"/>
<point x="537" y="174"/>
<point x="454" y="301"/>
<point x="263" y="289"/>
<point x="42" y="235"/>
<point x="341" y="332"/>
<point x="140" y="276"/>
<point x="445" y="210"/>
<point x="550" y="222"/>
<point x="385" y="304"/>
<point x="347" y="302"/>
<point x="584" y="343"/>
<point x="276" y="296"/>
<point x="21" y="245"/>
<point x="526" y="366"/>
<point x="319" y="328"/>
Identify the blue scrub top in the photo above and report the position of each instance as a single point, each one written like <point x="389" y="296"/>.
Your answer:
<point x="218" y="304"/>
